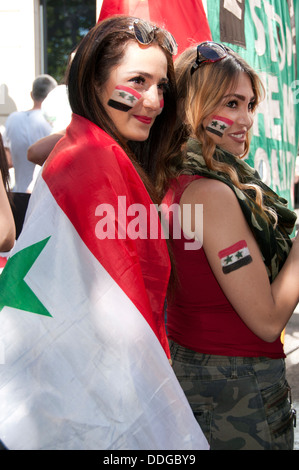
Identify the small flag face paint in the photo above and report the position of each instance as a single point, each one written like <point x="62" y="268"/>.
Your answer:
<point x="124" y="98"/>
<point x="235" y="257"/>
<point x="162" y="103"/>
<point x="218" y="125"/>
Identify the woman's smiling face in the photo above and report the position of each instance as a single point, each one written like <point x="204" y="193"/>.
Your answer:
<point x="231" y="121"/>
<point x="133" y="94"/>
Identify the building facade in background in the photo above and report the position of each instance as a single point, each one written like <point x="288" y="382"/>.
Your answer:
<point x="35" y="36"/>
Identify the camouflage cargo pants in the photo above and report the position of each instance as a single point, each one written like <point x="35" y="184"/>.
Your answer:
<point x="240" y="403"/>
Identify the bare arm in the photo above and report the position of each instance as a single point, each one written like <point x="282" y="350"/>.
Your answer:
<point x="7" y="224"/>
<point x="40" y="150"/>
<point x="8" y="157"/>
<point x="264" y="307"/>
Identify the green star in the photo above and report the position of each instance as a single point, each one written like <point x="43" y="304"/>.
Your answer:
<point x="239" y="255"/>
<point x="14" y="291"/>
<point x="214" y="123"/>
<point x="228" y="259"/>
<point x="122" y="94"/>
<point x="131" y="98"/>
<point x="223" y="127"/>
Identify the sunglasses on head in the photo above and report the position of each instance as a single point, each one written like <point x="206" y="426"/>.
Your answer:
<point x="144" y="33"/>
<point x="210" y="52"/>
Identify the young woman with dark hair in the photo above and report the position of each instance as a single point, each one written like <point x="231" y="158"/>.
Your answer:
<point x="116" y="388"/>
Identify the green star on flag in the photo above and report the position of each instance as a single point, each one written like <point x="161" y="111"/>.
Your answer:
<point x="228" y="259"/>
<point x="14" y="291"/>
<point x="131" y="98"/>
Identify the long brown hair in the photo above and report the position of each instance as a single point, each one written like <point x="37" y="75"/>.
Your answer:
<point x="199" y="95"/>
<point x="100" y="50"/>
<point x="4" y="167"/>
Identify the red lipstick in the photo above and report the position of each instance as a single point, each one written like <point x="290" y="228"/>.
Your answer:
<point x="143" y="119"/>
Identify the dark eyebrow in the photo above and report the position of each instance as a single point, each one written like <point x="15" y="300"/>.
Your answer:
<point x="147" y="75"/>
<point x="240" y="97"/>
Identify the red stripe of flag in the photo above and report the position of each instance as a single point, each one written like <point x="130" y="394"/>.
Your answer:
<point x="186" y="21"/>
<point x="223" y="119"/>
<point x="129" y="90"/>
<point x="88" y="168"/>
<point x="232" y="249"/>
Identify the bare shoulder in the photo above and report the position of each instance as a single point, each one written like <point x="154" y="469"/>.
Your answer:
<point x="220" y="207"/>
<point x="208" y="191"/>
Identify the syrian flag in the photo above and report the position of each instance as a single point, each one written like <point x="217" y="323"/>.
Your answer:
<point x="84" y="350"/>
<point x="218" y="125"/>
<point x="186" y="21"/>
<point x="3" y="260"/>
<point x="235" y="257"/>
<point x="124" y="98"/>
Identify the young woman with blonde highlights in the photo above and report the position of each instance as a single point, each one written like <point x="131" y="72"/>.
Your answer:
<point x="235" y="294"/>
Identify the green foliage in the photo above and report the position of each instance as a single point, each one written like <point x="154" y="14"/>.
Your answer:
<point x="67" y="22"/>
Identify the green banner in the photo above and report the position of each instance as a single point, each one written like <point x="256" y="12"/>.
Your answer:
<point x="263" y="32"/>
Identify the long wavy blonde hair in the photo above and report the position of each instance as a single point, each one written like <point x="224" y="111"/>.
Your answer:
<point x="199" y="95"/>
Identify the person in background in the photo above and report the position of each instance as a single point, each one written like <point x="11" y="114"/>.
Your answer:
<point x="22" y="129"/>
<point x="7" y="224"/>
<point x="238" y="286"/>
<point x="39" y="151"/>
<point x="93" y="371"/>
<point x="57" y="111"/>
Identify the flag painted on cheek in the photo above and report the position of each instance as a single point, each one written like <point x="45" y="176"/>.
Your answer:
<point x="218" y="125"/>
<point x="124" y="98"/>
<point x="235" y="257"/>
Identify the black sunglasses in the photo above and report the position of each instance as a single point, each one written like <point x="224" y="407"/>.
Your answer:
<point x="210" y="52"/>
<point x="144" y="33"/>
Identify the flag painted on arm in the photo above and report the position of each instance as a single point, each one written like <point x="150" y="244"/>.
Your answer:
<point x="235" y="257"/>
<point x="85" y="361"/>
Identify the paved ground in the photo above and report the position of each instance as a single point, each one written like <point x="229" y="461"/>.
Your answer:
<point x="292" y="363"/>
